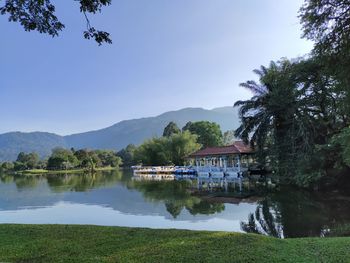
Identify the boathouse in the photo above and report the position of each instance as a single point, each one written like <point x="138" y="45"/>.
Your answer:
<point x="237" y="154"/>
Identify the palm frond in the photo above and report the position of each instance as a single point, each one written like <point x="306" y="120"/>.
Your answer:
<point x="253" y="87"/>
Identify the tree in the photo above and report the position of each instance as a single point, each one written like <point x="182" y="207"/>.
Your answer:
<point x="29" y="161"/>
<point x="167" y="150"/>
<point x="171" y="129"/>
<point x="40" y="15"/>
<point x="154" y="151"/>
<point x="228" y="137"/>
<point x="109" y="158"/>
<point x="327" y="23"/>
<point x="7" y="166"/>
<point x="181" y="145"/>
<point x="187" y="126"/>
<point x="127" y="155"/>
<point x="292" y="116"/>
<point x="62" y="159"/>
<point x="209" y="133"/>
<point x="341" y="143"/>
<point x="268" y="119"/>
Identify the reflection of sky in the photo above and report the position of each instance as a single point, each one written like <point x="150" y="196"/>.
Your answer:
<point x="72" y="213"/>
<point x="108" y="205"/>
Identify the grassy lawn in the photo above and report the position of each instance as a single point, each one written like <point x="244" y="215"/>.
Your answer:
<point x="68" y="243"/>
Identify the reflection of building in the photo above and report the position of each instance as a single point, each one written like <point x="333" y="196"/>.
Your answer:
<point x="237" y="154"/>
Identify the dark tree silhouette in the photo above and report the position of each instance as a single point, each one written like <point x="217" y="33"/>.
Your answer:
<point x="40" y="15"/>
<point x="171" y="129"/>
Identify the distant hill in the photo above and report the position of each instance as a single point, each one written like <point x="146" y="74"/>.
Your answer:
<point x="13" y="143"/>
<point x="116" y="136"/>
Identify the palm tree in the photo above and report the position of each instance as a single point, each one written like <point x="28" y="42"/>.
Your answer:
<point x="268" y="117"/>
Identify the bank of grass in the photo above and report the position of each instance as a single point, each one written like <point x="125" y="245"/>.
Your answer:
<point x="70" y="171"/>
<point x="68" y="243"/>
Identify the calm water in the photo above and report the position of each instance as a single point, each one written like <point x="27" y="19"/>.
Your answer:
<point x="114" y="198"/>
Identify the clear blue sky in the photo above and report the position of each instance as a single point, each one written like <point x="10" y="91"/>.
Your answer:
<point x="166" y="55"/>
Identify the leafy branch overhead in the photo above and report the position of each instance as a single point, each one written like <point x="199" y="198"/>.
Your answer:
<point x="40" y="15"/>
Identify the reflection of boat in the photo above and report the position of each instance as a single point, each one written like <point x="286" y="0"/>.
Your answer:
<point x="185" y="170"/>
<point x="153" y="169"/>
<point x="156" y="177"/>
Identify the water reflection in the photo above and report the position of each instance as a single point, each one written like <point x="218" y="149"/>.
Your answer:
<point x="115" y="198"/>
<point x="82" y="182"/>
<point x="298" y="214"/>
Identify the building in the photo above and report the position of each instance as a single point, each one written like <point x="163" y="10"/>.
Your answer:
<point x="236" y="155"/>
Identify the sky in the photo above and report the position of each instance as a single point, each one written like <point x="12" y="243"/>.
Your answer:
<point x="166" y="55"/>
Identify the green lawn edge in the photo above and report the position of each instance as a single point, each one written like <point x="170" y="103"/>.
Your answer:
<point x="85" y="243"/>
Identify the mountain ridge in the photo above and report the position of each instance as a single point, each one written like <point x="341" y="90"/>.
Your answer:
<point x="114" y="137"/>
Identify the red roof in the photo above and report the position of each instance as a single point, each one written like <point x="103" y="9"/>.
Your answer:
<point x="237" y="147"/>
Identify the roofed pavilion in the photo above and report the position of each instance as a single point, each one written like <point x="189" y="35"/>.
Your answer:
<point x="224" y="156"/>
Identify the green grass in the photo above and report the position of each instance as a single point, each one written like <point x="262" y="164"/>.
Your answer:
<point x="68" y="243"/>
<point x="71" y="171"/>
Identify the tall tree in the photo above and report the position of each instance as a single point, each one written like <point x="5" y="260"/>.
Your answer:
<point x="127" y="155"/>
<point x="171" y="129"/>
<point x="182" y="145"/>
<point x="209" y="133"/>
<point x="293" y="113"/>
<point x="280" y="117"/>
<point x="327" y="23"/>
<point x="269" y="113"/>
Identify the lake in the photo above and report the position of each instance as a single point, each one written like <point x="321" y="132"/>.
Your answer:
<point x="115" y="198"/>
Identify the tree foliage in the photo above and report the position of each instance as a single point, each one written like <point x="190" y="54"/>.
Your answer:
<point x="209" y="133"/>
<point x="299" y="114"/>
<point x="62" y="159"/>
<point x="27" y="161"/>
<point x="295" y="111"/>
<point x="40" y="15"/>
<point x="171" y="129"/>
<point x="228" y="137"/>
<point x="127" y="155"/>
<point x="327" y="22"/>
<point x="167" y="150"/>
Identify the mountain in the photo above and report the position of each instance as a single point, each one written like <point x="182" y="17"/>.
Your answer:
<point x="116" y="136"/>
<point x="13" y="143"/>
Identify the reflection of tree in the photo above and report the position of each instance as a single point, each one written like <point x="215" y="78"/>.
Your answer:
<point x="82" y="182"/>
<point x="290" y="214"/>
<point x="174" y="208"/>
<point x="205" y="207"/>
<point x="23" y="182"/>
<point x="6" y="178"/>
<point x="264" y="221"/>
<point x="176" y="196"/>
